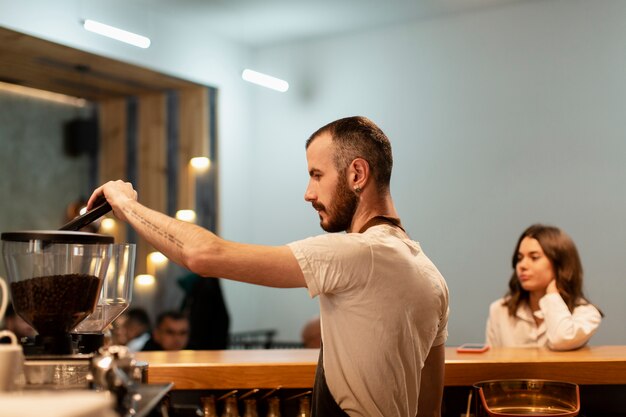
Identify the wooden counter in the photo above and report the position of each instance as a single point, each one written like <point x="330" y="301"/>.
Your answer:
<point x="295" y="368"/>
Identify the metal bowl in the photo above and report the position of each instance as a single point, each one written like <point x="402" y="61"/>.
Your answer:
<point x="526" y="397"/>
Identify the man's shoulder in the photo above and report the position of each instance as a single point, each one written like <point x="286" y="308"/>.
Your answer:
<point x="151" y="344"/>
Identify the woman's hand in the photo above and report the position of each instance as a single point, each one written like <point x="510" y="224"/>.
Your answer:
<point x="552" y="288"/>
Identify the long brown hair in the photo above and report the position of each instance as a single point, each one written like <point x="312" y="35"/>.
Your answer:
<point x="562" y="253"/>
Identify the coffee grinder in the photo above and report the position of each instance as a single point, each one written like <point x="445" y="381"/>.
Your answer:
<point x="69" y="286"/>
<point x="55" y="278"/>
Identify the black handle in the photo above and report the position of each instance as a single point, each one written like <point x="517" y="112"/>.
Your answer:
<point x="84" y="219"/>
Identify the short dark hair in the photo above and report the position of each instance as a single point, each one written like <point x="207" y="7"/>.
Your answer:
<point x="139" y="315"/>
<point x="359" y="137"/>
<point x="173" y="315"/>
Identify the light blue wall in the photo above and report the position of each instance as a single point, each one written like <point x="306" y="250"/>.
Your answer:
<point x="499" y="118"/>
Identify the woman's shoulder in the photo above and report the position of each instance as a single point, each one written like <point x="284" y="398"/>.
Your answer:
<point x="584" y="305"/>
<point x="498" y="305"/>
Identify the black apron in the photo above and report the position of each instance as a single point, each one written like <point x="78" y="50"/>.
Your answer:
<point x="323" y="404"/>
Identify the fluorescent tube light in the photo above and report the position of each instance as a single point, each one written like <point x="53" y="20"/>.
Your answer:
<point x="117" y="34"/>
<point x="265" y="80"/>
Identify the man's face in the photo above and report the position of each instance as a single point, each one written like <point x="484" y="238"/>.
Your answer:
<point x="172" y="334"/>
<point x="328" y="191"/>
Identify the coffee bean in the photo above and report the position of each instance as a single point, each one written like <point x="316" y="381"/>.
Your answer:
<point x="55" y="304"/>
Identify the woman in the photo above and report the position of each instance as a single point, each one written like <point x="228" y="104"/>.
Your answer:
<point x="545" y="305"/>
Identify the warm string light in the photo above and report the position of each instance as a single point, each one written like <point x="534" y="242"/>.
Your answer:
<point x="200" y="163"/>
<point x="145" y="280"/>
<point x="196" y="166"/>
<point x="43" y="95"/>
<point x="186" y="215"/>
<point x="107" y="225"/>
<point x="157" y="258"/>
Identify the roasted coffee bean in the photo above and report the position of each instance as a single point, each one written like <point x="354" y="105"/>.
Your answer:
<point x="55" y="304"/>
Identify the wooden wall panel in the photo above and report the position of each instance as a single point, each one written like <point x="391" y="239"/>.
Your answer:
<point x="113" y="149"/>
<point x="152" y="162"/>
<point x="193" y="139"/>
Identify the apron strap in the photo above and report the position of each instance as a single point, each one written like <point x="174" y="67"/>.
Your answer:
<point x="323" y="404"/>
<point x="376" y="220"/>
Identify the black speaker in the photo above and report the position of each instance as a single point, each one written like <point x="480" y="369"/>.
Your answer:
<point x="81" y="137"/>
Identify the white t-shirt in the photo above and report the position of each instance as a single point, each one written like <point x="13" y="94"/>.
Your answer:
<point x="560" y="329"/>
<point x="383" y="305"/>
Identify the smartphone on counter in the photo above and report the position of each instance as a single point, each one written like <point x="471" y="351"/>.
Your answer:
<point x="473" y="348"/>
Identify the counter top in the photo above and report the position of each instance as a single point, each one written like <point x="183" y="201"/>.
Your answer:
<point x="295" y="368"/>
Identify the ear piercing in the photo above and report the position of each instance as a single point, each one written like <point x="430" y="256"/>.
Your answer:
<point x="357" y="189"/>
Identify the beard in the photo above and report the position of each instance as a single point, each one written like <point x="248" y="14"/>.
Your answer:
<point x="341" y="209"/>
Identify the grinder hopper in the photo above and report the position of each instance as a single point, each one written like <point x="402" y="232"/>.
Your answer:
<point x="55" y="279"/>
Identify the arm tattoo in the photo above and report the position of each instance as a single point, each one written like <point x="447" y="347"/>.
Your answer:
<point x="151" y="227"/>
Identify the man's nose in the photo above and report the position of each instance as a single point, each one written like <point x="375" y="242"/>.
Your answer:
<point x="309" y="195"/>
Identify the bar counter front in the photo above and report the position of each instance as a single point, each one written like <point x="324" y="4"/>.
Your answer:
<point x="599" y="370"/>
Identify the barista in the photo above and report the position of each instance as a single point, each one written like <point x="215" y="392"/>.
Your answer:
<point x="382" y="300"/>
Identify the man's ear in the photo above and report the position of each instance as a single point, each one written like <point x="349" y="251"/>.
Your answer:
<point x="359" y="174"/>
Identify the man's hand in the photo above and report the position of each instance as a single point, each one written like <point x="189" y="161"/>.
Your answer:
<point x="117" y="193"/>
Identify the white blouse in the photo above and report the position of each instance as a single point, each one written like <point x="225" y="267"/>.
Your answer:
<point x="560" y="329"/>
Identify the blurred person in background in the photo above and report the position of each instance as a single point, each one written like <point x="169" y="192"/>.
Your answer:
<point x="205" y="307"/>
<point x="312" y="334"/>
<point x="170" y="333"/>
<point x="135" y="329"/>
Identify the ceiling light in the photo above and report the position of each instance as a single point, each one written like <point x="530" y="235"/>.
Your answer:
<point x="117" y="34"/>
<point x="265" y="80"/>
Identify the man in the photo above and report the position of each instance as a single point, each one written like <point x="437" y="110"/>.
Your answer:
<point x="383" y="304"/>
<point x="134" y="328"/>
<point x="170" y="333"/>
